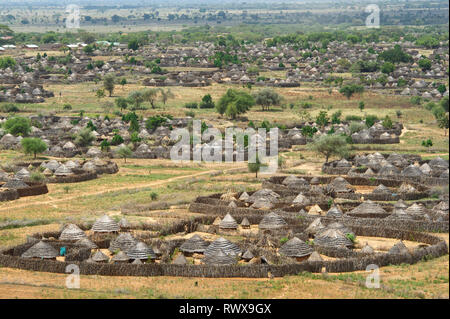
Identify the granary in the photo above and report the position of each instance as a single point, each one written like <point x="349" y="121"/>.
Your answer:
<point x="400" y="214"/>
<point x="296" y="248"/>
<point x="99" y="257"/>
<point x="41" y="250"/>
<point x="417" y="211"/>
<point x="382" y="190"/>
<point x="339" y="226"/>
<point x="334" y="211"/>
<point x="367" y="249"/>
<point x="22" y="174"/>
<point x="120" y="257"/>
<point x="123" y="242"/>
<point x="228" y="223"/>
<point x="315" y="256"/>
<point x="217" y="221"/>
<point x="124" y="224"/>
<point x="406" y="189"/>
<point x="368" y="209"/>
<point x="219" y="257"/>
<point x="340" y="185"/>
<point x="63" y="170"/>
<point x="315" y="227"/>
<point x="72" y="232"/>
<point x="245" y="224"/>
<point x="315" y="210"/>
<point x="195" y="244"/>
<point x="293" y="181"/>
<point x="272" y="221"/>
<point x="301" y="199"/>
<point x="244" y="196"/>
<point x="86" y="243"/>
<point x="105" y="224"/>
<point x="263" y="203"/>
<point x="223" y="244"/>
<point x="180" y="260"/>
<point x="332" y="238"/>
<point x="412" y="171"/>
<point x="141" y="251"/>
<point x="399" y="248"/>
<point x="247" y="256"/>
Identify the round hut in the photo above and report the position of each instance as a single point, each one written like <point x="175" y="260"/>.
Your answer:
<point x="41" y="250"/>
<point x="194" y="245"/>
<point x="142" y="252"/>
<point x="223" y="244"/>
<point x="72" y="233"/>
<point x="296" y="248"/>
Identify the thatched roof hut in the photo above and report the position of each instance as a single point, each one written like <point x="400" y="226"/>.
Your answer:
<point x="272" y="221"/>
<point x="123" y="242"/>
<point x="124" y="224"/>
<point x="367" y="249"/>
<point x="180" y="260"/>
<point x="334" y="212"/>
<point x="417" y="211"/>
<point x="340" y="185"/>
<point x="244" y="196"/>
<point x="99" y="257"/>
<point x="315" y="227"/>
<point x="105" y="224"/>
<point x="72" y="232"/>
<point x="339" y="226"/>
<point x="399" y="248"/>
<point x="217" y="221"/>
<point x="332" y="238"/>
<point x="86" y="243"/>
<point x="222" y="244"/>
<point x="120" y="257"/>
<point x="400" y="213"/>
<point x="368" y="208"/>
<point x="295" y="247"/>
<point x="264" y="193"/>
<point x="14" y="183"/>
<point x="41" y="250"/>
<point x="228" y="222"/>
<point x="381" y="189"/>
<point x="247" y="255"/>
<point x="315" y="256"/>
<point x="301" y="200"/>
<point x="219" y="257"/>
<point x="195" y="244"/>
<point x="294" y="181"/>
<point x="245" y="223"/>
<point x="141" y="251"/>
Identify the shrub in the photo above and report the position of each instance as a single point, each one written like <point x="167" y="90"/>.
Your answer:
<point x="308" y="131"/>
<point x="387" y="122"/>
<point x="190" y="113"/>
<point x="329" y="145"/>
<point x="427" y="143"/>
<point x="67" y="107"/>
<point x="9" y="108"/>
<point x="153" y="196"/>
<point x="371" y="120"/>
<point x="207" y="102"/>
<point x="18" y="126"/>
<point x="117" y="140"/>
<point x="350" y="118"/>
<point x="356" y="127"/>
<point x="37" y="177"/>
<point x="191" y="105"/>
<point x="84" y="137"/>
<point x="155" y="121"/>
<point x="416" y="100"/>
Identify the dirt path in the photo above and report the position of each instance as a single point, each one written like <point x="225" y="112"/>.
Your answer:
<point x="150" y="184"/>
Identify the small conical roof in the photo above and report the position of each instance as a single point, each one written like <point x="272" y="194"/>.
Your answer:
<point x="141" y="251"/>
<point x="220" y="258"/>
<point x="417" y="211"/>
<point x="232" y="204"/>
<point x="120" y="256"/>
<point x="222" y="244"/>
<point x="137" y="262"/>
<point x="339" y="226"/>
<point x="244" y="196"/>
<point x="85" y="242"/>
<point x="72" y="232"/>
<point x="228" y="222"/>
<point x="180" y="260"/>
<point x="381" y="189"/>
<point x="399" y="248"/>
<point x="123" y="242"/>
<point x="123" y="223"/>
<point x="333" y="238"/>
<point x="295" y="247"/>
<point x="400" y="204"/>
<point x="272" y="221"/>
<point x="41" y="250"/>
<point x="217" y="221"/>
<point x="195" y="244"/>
<point x="334" y="212"/>
<point x="367" y="249"/>
<point x="301" y="200"/>
<point x="315" y="227"/>
<point x="406" y="188"/>
<point x="247" y="255"/>
<point x="315" y="256"/>
<point x="99" y="257"/>
<point x="367" y="208"/>
<point x="105" y="224"/>
<point x="14" y="183"/>
<point x="63" y="170"/>
<point x="245" y="222"/>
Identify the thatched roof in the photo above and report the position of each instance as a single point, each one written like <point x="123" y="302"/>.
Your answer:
<point x="315" y="256"/>
<point x="400" y="204"/>
<point x="232" y="204"/>
<point x="294" y="181"/>
<point x="400" y="213"/>
<point x="301" y="199"/>
<point x="120" y="257"/>
<point x="406" y="188"/>
<point x="245" y="222"/>
<point x="85" y="242"/>
<point x="272" y="221"/>
<point x="72" y="232"/>
<point x="340" y="185"/>
<point x="195" y="244"/>
<point x="141" y="251"/>
<point x="332" y="238"/>
<point x="137" y="262"/>
<point x="180" y="260"/>
<point x="220" y="258"/>
<point x="247" y="255"/>
<point x="315" y="227"/>
<point x="14" y="183"/>
<point x="381" y="189"/>
<point x="222" y="244"/>
<point x="315" y="181"/>
<point x="367" y="249"/>
<point x="388" y="170"/>
<point x="265" y="193"/>
<point x="228" y="222"/>
<point x="123" y="223"/>
<point x="412" y="171"/>
<point x="334" y="212"/>
<point x="123" y="242"/>
<point x="399" y="248"/>
<point x="99" y="257"/>
<point x="438" y="162"/>
<point x="63" y="170"/>
<point x="262" y="203"/>
<point x="367" y="208"/>
<point x="417" y="211"/>
<point x="41" y="250"/>
<point x="105" y="224"/>
<point x="295" y="247"/>
<point x="339" y="226"/>
<point x="244" y="196"/>
<point x="217" y="221"/>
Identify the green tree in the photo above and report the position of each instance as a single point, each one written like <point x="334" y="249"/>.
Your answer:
<point x="387" y="67"/>
<point x="100" y="93"/>
<point x="350" y="89"/>
<point x="361" y="106"/>
<point x="370" y="120"/>
<point x="32" y="145"/>
<point x="234" y="102"/>
<point x="18" y="126"/>
<point x="425" y="64"/>
<point x="123" y="81"/>
<point x="84" y="137"/>
<point x="134" y="125"/>
<point x="150" y="96"/>
<point x="133" y="44"/>
<point x="136" y="98"/>
<point x="121" y="103"/>
<point x="322" y="119"/>
<point x="266" y="98"/>
<point x="124" y="152"/>
<point x="329" y="145"/>
<point x="443" y="122"/>
<point x="109" y="82"/>
<point x="255" y="167"/>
